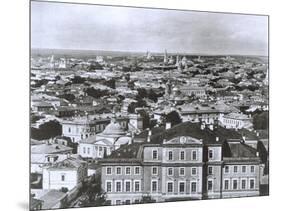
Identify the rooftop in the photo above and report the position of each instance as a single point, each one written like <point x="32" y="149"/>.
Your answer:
<point x="49" y="148"/>
<point x="52" y="198"/>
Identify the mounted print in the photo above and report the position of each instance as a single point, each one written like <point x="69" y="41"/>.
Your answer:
<point x="143" y="105"/>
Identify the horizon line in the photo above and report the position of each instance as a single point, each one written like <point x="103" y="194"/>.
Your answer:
<point x="158" y="52"/>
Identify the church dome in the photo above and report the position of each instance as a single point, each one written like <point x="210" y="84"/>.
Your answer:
<point x="114" y="128"/>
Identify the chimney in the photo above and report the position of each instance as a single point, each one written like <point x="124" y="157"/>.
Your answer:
<point x="132" y="138"/>
<point x="168" y="125"/>
<point x="149" y="135"/>
<point x="243" y="139"/>
<point x="202" y="126"/>
<point x="217" y="139"/>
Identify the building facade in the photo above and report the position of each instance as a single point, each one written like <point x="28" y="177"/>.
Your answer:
<point x="184" y="167"/>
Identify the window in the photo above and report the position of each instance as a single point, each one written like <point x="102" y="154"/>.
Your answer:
<point x="193" y="187"/>
<point x="181" y="187"/>
<point x="243" y="184"/>
<point x="211" y="154"/>
<point x="252" y="183"/>
<point x="154" y="171"/>
<point x="154" y="186"/>
<point x="182" y="172"/>
<point x="210" y="170"/>
<point x="118" y="170"/>
<point x="194" y="155"/>
<point x="63" y="177"/>
<point x="137" y="186"/>
<point x="170" y="187"/>
<point x="234" y="185"/>
<point x="182" y="155"/>
<point x="108" y="186"/>
<point x="118" y="202"/>
<point x="235" y="169"/>
<point x="243" y="169"/>
<point x="127" y="186"/>
<point x="69" y="129"/>
<point x="154" y="154"/>
<point x="137" y="170"/>
<point x="210" y="185"/>
<point x="226" y="169"/>
<point x="252" y="169"/>
<point x="127" y="202"/>
<point x="170" y="155"/>
<point x="88" y="150"/>
<point x="128" y="170"/>
<point x="118" y="186"/>
<point x="84" y="150"/>
<point x="170" y="171"/>
<point x="193" y="171"/>
<point x="226" y="184"/>
<point x="108" y="171"/>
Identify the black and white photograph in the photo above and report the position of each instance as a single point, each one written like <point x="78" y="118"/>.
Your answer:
<point x="135" y="105"/>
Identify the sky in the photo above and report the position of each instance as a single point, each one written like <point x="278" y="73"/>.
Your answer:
<point x="94" y="27"/>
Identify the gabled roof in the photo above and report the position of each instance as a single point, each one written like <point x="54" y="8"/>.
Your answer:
<point x="69" y="163"/>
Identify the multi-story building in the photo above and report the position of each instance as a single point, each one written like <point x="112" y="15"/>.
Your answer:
<point x="207" y="113"/>
<point x="182" y="163"/>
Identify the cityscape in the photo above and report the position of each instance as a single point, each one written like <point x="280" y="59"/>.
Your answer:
<point x="120" y="127"/>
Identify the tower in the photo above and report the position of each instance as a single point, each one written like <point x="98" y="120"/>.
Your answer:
<point x="135" y="122"/>
<point x="165" y="57"/>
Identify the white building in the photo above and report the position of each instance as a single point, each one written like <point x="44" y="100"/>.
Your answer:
<point x="43" y="154"/>
<point x="102" y="144"/>
<point x="237" y="120"/>
<point x="65" y="174"/>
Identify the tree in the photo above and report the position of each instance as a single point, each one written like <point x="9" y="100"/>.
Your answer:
<point x="110" y="83"/>
<point x="78" y="80"/>
<point x="142" y="93"/>
<point x="260" y="121"/>
<point x="139" y="104"/>
<point x="68" y="97"/>
<point x="93" y="194"/>
<point x="47" y="130"/>
<point x="152" y="95"/>
<point x="173" y="117"/>
<point x="96" y="93"/>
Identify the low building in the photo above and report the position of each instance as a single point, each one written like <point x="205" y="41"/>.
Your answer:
<point x="102" y="144"/>
<point x="65" y="174"/>
<point x="236" y="120"/>
<point x="46" y="153"/>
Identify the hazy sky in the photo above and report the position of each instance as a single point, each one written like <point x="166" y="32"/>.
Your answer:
<point x="73" y="26"/>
